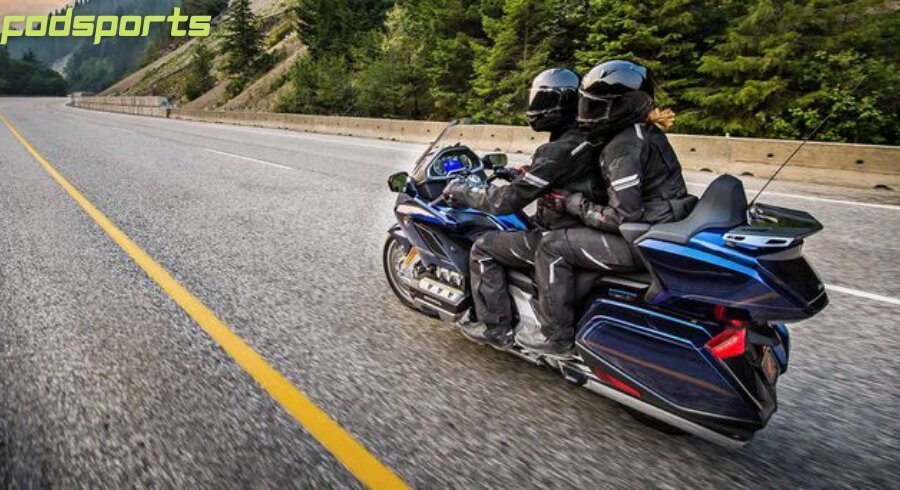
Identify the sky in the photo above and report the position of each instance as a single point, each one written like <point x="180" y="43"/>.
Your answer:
<point x="34" y="7"/>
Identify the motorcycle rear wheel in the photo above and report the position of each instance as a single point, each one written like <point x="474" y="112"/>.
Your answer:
<point x="392" y="259"/>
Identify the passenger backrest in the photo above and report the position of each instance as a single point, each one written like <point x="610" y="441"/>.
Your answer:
<point x="723" y="205"/>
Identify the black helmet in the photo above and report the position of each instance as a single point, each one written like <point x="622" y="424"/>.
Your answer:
<point x="553" y="99"/>
<point x="615" y="93"/>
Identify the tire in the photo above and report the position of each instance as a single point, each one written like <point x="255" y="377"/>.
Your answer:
<point x="653" y="423"/>
<point x="392" y="256"/>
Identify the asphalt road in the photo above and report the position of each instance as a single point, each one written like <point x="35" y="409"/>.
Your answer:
<point x="106" y="382"/>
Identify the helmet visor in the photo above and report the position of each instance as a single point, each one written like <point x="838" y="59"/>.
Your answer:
<point x="593" y="109"/>
<point x="543" y="99"/>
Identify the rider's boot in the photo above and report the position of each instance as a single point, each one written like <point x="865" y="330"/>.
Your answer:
<point x="497" y="336"/>
<point x="560" y="345"/>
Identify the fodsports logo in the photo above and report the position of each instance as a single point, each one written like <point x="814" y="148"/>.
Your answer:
<point x="102" y="26"/>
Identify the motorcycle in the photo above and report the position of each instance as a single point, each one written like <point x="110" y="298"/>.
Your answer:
<point x="693" y="343"/>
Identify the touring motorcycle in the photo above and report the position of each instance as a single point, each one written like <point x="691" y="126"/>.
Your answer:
<point x="693" y="343"/>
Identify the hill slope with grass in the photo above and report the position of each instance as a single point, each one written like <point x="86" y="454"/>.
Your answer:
<point x="171" y="74"/>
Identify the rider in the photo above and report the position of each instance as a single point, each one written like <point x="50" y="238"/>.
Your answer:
<point x="644" y="184"/>
<point x="563" y="163"/>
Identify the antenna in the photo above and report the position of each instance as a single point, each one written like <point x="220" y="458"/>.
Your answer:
<point x="803" y="143"/>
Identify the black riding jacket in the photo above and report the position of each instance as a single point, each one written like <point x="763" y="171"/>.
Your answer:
<point x="644" y="182"/>
<point x="556" y="166"/>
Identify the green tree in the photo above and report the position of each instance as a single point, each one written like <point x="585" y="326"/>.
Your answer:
<point x="320" y="86"/>
<point x="756" y="68"/>
<point x="449" y="33"/>
<point x="749" y="71"/>
<point x="28" y="77"/>
<point x="337" y="26"/>
<point x="785" y="65"/>
<point x="528" y="37"/>
<point x="242" y="46"/>
<point x="199" y="79"/>
<point x="383" y="90"/>
<point x="667" y="36"/>
<point x="341" y="37"/>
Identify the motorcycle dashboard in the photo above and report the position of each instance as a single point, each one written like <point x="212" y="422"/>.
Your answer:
<point x="447" y="162"/>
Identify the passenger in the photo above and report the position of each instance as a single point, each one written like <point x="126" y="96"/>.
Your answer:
<point x="552" y="106"/>
<point x="644" y="184"/>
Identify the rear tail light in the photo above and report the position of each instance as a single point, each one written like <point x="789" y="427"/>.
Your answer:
<point x="727" y="316"/>
<point x="730" y="343"/>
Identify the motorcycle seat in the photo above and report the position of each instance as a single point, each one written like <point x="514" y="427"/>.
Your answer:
<point x="723" y="205"/>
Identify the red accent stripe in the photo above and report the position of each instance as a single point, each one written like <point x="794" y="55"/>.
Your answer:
<point x="617" y="383"/>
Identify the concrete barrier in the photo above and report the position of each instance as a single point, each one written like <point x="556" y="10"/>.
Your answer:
<point x="140" y="106"/>
<point x="850" y="165"/>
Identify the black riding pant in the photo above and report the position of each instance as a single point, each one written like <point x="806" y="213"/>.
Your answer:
<point x="491" y="255"/>
<point x="559" y="254"/>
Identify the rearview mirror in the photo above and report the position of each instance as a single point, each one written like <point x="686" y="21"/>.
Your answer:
<point x="495" y="160"/>
<point x="397" y="182"/>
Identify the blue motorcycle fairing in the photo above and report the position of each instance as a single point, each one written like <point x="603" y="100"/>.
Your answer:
<point x="665" y="356"/>
<point x="513" y="222"/>
<point x="440" y="232"/>
<point x="501" y="222"/>
<point x="707" y="271"/>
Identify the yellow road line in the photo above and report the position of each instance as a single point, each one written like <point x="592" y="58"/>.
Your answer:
<point x="356" y="458"/>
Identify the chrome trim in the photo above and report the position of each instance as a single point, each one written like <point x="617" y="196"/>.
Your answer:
<point x="522" y="301"/>
<point x="621" y="281"/>
<point x="442" y="313"/>
<point x="441" y="290"/>
<point x="760" y="241"/>
<point x="664" y="416"/>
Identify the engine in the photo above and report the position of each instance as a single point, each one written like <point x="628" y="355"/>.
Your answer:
<point x="441" y="290"/>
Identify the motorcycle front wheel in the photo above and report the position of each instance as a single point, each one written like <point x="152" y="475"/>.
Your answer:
<point x="393" y="257"/>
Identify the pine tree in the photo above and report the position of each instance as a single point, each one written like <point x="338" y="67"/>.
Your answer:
<point x="336" y="26"/>
<point x="452" y="33"/>
<point x="750" y="70"/>
<point x="529" y="37"/>
<point x="242" y="46"/>
<point x="383" y="90"/>
<point x="785" y="65"/>
<point x="342" y="38"/>
<point x="433" y="41"/>
<point x="667" y="36"/>
<point x="200" y="78"/>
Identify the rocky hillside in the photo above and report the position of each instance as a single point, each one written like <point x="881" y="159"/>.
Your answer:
<point x="166" y="75"/>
